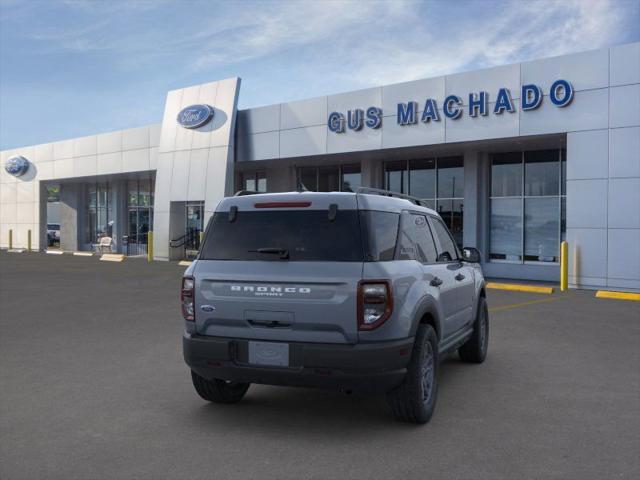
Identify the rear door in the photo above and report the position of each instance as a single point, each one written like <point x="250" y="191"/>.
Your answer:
<point x="280" y="273"/>
<point x="460" y="277"/>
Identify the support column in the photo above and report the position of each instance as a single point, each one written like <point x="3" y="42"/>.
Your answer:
<point x="371" y="173"/>
<point x="70" y="210"/>
<point x="471" y="220"/>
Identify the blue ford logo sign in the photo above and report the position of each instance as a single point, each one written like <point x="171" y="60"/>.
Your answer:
<point x="195" y="116"/>
<point x="17" y="166"/>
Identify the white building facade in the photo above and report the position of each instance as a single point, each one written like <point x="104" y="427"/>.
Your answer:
<point x="515" y="158"/>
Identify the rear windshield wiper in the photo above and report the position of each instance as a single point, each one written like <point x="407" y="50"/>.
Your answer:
<point x="284" y="253"/>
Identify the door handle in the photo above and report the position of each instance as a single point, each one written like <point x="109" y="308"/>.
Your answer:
<point x="436" y="282"/>
<point x="459" y="277"/>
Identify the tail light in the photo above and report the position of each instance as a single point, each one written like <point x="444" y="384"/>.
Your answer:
<point x="186" y="298"/>
<point x="375" y="303"/>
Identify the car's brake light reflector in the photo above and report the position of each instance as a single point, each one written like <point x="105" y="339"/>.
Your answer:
<point x="375" y="303"/>
<point x="186" y="298"/>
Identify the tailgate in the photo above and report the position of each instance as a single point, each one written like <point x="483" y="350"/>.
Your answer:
<point x="280" y="301"/>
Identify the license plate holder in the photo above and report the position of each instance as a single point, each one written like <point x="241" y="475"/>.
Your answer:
<point x="269" y="354"/>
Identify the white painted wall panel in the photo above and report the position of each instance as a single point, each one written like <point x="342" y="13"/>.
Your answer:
<point x="85" y="166"/>
<point x="63" y="149"/>
<point x="587" y="249"/>
<point x="587" y="203"/>
<point x="624" y="152"/>
<point x="417" y="90"/>
<point x="43" y="153"/>
<point x="135" y="160"/>
<point x="588" y="154"/>
<point x="304" y="113"/>
<point x="180" y="176"/>
<point x="258" y="120"/>
<point x="585" y="71"/>
<point x="153" y="158"/>
<point x="85" y="146"/>
<point x="468" y="128"/>
<point x="624" y="254"/>
<point x="624" y="203"/>
<point x="135" y="138"/>
<point x="63" y="168"/>
<point x="588" y="111"/>
<point x="357" y="99"/>
<point x="395" y="135"/>
<point x="353" y="141"/>
<point x="303" y="141"/>
<point x="110" y="142"/>
<point x="197" y="174"/>
<point x="259" y="146"/>
<point x="154" y="135"/>
<point x="625" y="64"/>
<point x="625" y="106"/>
<point x="489" y="80"/>
<point x="110" y="163"/>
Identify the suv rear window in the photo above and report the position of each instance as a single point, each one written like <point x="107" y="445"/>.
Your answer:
<point x="291" y="235"/>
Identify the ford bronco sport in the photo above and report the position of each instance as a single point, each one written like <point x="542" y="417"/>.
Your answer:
<point x="358" y="291"/>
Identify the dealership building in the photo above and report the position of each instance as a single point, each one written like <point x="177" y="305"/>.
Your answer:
<point x="515" y="158"/>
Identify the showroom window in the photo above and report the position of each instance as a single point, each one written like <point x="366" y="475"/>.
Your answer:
<point x="253" y="181"/>
<point x="527" y="205"/>
<point x="331" y="178"/>
<point x="438" y="181"/>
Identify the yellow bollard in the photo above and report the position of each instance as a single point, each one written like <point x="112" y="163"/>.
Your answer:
<point x="10" y="239"/>
<point x="150" y="246"/>
<point x="29" y="240"/>
<point x="564" y="266"/>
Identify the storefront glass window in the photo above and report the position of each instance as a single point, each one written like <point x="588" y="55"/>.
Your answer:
<point x="506" y="175"/>
<point x="439" y="182"/>
<point x="506" y="229"/>
<point x="527" y="206"/>
<point x="254" y="182"/>
<point x="423" y="178"/>
<point x="351" y="178"/>
<point x="541" y="173"/>
<point x="450" y="177"/>
<point x="330" y="178"/>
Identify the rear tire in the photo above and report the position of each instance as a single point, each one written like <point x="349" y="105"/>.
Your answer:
<point x="219" y="391"/>
<point x="475" y="349"/>
<point x="415" y="399"/>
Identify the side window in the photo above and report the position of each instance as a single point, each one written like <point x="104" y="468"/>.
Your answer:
<point x="416" y="242"/>
<point x="448" y="251"/>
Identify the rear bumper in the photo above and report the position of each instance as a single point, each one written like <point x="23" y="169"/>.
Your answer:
<point x="362" y="367"/>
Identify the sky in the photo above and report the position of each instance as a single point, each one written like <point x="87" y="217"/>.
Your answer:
<point x="70" y="68"/>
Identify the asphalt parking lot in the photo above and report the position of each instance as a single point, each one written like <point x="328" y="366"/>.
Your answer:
<point x="93" y="386"/>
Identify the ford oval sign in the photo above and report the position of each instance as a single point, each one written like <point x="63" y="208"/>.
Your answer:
<point x="195" y="116"/>
<point x="17" y="166"/>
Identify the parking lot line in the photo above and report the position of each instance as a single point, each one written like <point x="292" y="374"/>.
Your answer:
<point x="618" y="295"/>
<point x="516" y="287"/>
<point x="524" y="304"/>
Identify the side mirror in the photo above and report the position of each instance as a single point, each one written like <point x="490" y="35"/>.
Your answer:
<point x="471" y="255"/>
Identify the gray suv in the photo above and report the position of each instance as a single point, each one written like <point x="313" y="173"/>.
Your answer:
<point x="361" y="291"/>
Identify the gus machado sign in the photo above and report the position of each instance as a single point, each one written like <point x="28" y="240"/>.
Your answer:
<point x="560" y="95"/>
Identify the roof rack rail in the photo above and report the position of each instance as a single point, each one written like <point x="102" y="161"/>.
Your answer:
<point x="242" y="193"/>
<point x="389" y="193"/>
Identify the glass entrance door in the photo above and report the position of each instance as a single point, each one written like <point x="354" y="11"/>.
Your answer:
<point x="194" y="227"/>
<point x="140" y="215"/>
